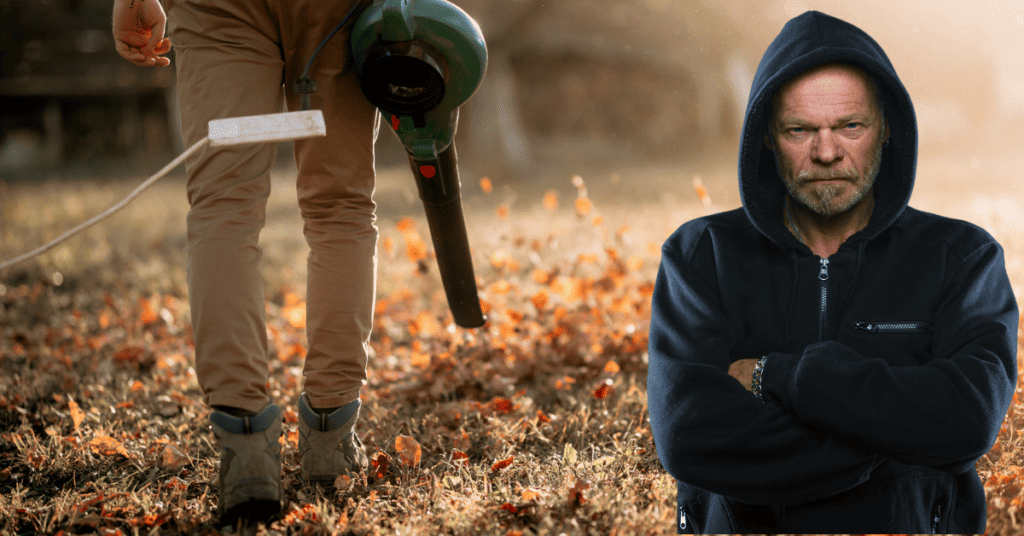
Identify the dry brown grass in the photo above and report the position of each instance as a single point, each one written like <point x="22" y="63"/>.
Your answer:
<point x="536" y="424"/>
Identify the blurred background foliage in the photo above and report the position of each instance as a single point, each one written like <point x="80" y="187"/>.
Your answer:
<point x="571" y="83"/>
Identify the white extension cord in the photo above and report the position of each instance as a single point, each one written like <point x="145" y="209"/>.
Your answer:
<point x="265" y="128"/>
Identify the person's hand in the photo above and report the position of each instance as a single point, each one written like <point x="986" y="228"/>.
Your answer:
<point x="139" y="32"/>
<point x="743" y="371"/>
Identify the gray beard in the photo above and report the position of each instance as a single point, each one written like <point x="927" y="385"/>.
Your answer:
<point x="821" y="199"/>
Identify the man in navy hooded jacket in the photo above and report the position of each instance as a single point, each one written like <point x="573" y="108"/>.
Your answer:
<point x="875" y="344"/>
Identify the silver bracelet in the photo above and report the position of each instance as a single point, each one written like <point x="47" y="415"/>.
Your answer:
<point x="758" y="371"/>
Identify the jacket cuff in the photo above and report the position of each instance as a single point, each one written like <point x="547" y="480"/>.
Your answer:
<point x="778" y="379"/>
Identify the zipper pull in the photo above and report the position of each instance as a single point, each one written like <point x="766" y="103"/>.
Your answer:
<point x="867" y="326"/>
<point x="823" y="274"/>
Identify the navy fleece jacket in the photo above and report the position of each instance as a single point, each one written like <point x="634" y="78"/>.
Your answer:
<point x="889" y="369"/>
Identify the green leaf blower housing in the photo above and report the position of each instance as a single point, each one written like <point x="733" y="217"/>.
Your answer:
<point x="418" y="61"/>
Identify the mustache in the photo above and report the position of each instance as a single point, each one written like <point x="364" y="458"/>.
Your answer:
<point x="831" y="174"/>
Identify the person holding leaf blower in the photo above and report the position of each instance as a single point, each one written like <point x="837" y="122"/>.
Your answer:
<point x="237" y="58"/>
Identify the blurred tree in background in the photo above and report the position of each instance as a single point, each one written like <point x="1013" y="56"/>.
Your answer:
<point x="569" y="83"/>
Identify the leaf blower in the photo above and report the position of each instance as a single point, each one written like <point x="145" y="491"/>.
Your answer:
<point x="418" y="61"/>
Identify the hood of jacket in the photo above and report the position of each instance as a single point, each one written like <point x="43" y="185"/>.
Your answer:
<point x="807" y="41"/>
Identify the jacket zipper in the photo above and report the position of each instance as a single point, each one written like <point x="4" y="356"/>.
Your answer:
<point x="822" y="317"/>
<point x="936" y="518"/>
<point x="891" y="327"/>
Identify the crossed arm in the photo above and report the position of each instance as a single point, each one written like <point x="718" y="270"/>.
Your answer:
<point x="830" y="413"/>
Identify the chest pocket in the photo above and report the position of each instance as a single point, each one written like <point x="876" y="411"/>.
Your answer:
<point x="899" y="342"/>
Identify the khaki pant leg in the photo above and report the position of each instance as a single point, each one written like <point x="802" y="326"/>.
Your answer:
<point x="335" y="189"/>
<point x="228" y="64"/>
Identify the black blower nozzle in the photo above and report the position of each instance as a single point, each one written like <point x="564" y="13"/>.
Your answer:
<point x="438" y="183"/>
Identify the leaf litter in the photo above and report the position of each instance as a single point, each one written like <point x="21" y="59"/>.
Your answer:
<point x="534" y="424"/>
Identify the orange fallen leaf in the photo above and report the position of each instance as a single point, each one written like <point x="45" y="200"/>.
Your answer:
<point x="343" y="482"/>
<point x="107" y="446"/>
<point x="295" y="315"/>
<point x="129" y="354"/>
<point x="389" y="246"/>
<point x="408" y="450"/>
<point x="508" y="507"/>
<point x="420" y="360"/>
<point x="542" y="417"/>
<point x="486" y="186"/>
<point x="380" y="464"/>
<point x="576" y="497"/>
<point x="702" y="192"/>
<point x="530" y="494"/>
<point x="176" y="484"/>
<point x="77" y="415"/>
<point x="104" y="319"/>
<point x="501" y="287"/>
<point x="415" y="247"/>
<point x="603" y="390"/>
<point x="551" y="200"/>
<point x="462" y="442"/>
<point x="503" y="212"/>
<point x="611" y="366"/>
<point x="634" y="263"/>
<point x="171" y="457"/>
<point x="584" y="206"/>
<point x="299" y="514"/>
<point x="146" y="313"/>
<point x="459" y="457"/>
<point x="406" y="225"/>
<point x="502" y="464"/>
<point x="426" y="324"/>
<point x="502" y="405"/>
<point x="540" y="299"/>
<point x="500" y="258"/>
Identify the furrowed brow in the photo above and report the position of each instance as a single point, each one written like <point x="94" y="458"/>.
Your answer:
<point x="855" y="117"/>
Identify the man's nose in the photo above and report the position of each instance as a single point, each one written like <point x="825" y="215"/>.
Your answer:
<point x="825" y="149"/>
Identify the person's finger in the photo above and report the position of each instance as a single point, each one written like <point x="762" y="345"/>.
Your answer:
<point x="138" y="58"/>
<point x="131" y="54"/>
<point x="163" y="47"/>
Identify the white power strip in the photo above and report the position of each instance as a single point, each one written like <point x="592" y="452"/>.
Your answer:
<point x="265" y="128"/>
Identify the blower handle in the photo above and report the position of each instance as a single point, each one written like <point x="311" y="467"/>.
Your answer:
<point x="438" y="183"/>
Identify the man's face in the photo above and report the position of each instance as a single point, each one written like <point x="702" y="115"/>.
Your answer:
<point x="827" y="134"/>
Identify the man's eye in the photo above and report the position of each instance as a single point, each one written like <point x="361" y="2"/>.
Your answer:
<point x="852" y="126"/>
<point x="796" y="130"/>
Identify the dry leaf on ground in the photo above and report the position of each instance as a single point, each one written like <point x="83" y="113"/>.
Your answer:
<point x="77" y="415"/>
<point x="408" y="450"/>
<point x="172" y="458"/>
<point x="107" y="446"/>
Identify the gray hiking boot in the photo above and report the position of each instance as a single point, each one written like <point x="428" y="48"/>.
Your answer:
<point x="250" y="465"/>
<point x="328" y="445"/>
